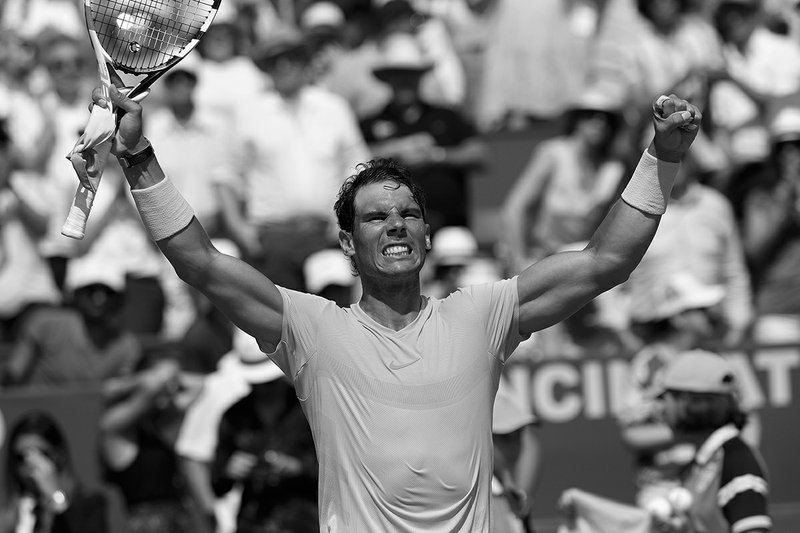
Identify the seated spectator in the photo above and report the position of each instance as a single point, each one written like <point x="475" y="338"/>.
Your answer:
<point x="222" y="440"/>
<point x="568" y="184"/>
<point x="84" y="343"/>
<point x="43" y="493"/>
<point x="138" y="429"/>
<point x="725" y="476"/>
<point x="437" y="143"/>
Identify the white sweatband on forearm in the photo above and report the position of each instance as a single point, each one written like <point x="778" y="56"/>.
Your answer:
<point x="651" y="184"/>
<point x="163" y="209"/>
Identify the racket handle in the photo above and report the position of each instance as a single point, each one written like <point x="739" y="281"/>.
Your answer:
<point x="75" y="225"/>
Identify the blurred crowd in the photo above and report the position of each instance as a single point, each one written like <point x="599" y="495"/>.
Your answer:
<point x="258" y="128"/>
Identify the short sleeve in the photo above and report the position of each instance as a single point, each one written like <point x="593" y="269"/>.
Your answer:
<point x="498" y="304"/>
<point x="742" y="496"/>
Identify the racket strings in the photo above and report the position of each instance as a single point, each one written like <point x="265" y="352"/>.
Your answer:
<point x="141" y="35"/>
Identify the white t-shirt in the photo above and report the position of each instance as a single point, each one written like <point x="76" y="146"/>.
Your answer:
<point x="402" y="419"/>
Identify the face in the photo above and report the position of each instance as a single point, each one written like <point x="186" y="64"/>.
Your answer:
<point x="736" y="23"/>
<point x="663" y="13"/>
<point x="594" y="126"/>
<point x="289" y="73"/>
<point x="66" y="65"/>
<point x="390" y="237"/>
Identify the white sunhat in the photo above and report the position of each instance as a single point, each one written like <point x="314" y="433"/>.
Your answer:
<point x="681" y="292"/>
<point x="453" y="245"/>
<point x="327" y="267"/>
<point x="91" y="270"/>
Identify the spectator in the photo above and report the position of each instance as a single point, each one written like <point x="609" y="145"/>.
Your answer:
<point x="221" y="423"/>
<point x="31" y="18"/>
<point x="534" y="64"/>
<point x="226" y="73"/>
<point x="760" y="66"/>
<point x="771" y="234"/>
<point x="42" y="491"/>
<point x="568" y="183"/>
<point x="436" y="142"/>
<point x="265" y="446"/>
<point x="324" y="26"/>
<point x="680" y="314"/>
<point x="453" y="249"/>
<point x="25" y="278"/>
<point x="702" y="226"/>
<point x="517" y="461"/>
<point x="85" y="343"/>
<point x="726" y="477"/>
<point x="290" y="174"/>
<point x="137" y="433"/>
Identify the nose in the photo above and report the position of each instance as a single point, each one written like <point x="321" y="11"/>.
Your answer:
<point x="396" y="224"/>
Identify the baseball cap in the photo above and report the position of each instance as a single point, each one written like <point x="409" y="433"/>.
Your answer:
<point x="509" y="413"/>
<point x="681" y="292"/>
<point x="327" y="267"/>
<point x="700" y="371"/>
<point x="453" y="245"/>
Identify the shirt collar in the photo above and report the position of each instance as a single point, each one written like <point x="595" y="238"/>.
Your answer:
<point x="714" y="442"/>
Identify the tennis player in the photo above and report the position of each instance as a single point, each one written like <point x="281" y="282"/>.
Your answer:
<point x="398" y="388"/>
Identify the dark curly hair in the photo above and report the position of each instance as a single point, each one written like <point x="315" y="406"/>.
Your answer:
<point x="374" y="171"/>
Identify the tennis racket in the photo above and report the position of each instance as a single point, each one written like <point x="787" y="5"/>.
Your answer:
<point x="143" y="39"/>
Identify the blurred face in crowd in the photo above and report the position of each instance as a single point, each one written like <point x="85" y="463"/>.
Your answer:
<point x="289" y="72"/>
<point x="179" y="95"/>
<point x="405" y="87"/>
<point x="66" y="64"/>
<point x="97" y="302"/>
<point x="17" y="56"/>
<point x="219" y="43"/>
<point x="787" y="156"/>
<point x="593" y="126"/>
<point x="664" y="14"/>
<point x="736" y="22"/>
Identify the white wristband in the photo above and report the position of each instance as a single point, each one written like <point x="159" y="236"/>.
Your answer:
<point x="163" y="209"/>
<point x="651" y="184"/>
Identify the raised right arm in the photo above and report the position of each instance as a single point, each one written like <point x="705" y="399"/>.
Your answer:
<point x="249" y="299"/>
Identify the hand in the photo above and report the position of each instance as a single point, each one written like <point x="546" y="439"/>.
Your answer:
<point x="129" y="137"/>
<point x="240" y="465"/>
<point x="676" y="123"/>
<point x="41" y="470"/>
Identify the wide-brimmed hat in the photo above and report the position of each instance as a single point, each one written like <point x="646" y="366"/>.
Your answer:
<point x="247" y="359"/>
<point x="90" y="270"/>
<point x="281" y="41"/>
<point x="454" y="245"/>
<point x="680" y="292"/>
<point x="700" y="371"/>
<point x="785" y="126"/>
<point x="401" y="54"/>
<point x="327" y="267"/>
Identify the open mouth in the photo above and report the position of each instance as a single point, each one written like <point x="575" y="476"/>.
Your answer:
<point x="397" y="250"/>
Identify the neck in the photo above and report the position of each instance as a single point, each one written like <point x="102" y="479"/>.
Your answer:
<point x="393" y="306"/>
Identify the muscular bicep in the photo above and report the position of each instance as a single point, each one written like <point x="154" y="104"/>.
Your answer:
<point x="248" y="298"/>
<point x="555" y="288"/>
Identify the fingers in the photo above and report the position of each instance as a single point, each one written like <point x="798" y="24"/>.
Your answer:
<point x="677" y="113"/>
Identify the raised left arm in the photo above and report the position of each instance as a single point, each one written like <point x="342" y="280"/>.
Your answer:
<point x="557" y="286"/>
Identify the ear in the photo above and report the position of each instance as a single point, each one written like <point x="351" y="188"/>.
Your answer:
<point x="428" y="237"/>
<point x="346" y="242"/>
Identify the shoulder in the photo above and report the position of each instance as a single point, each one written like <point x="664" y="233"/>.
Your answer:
<point x="739" y="459"/>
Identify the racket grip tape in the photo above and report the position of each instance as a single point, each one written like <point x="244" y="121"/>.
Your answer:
<point x="74" y="226"/>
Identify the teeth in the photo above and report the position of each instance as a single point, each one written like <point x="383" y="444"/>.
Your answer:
<point x="397" y="250"/>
